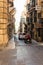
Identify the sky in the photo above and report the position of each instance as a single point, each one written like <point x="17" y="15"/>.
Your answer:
<point x="19" y="5"/>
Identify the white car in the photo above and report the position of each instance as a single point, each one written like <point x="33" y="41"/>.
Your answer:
<point x="21" y="36"/>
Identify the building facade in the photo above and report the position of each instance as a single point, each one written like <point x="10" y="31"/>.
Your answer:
<point x="6" y="20"/>
<point x="22" y="26"/>
<point x="35" y="19"/>
<point x="39" y="24"/>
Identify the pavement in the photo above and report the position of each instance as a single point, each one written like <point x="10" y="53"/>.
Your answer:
<point x="19" y="53"/>
<point x="38" y="43"/>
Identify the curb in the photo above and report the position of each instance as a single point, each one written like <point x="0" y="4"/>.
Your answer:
<point x="38" y="43"/>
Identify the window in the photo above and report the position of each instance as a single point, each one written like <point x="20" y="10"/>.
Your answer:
<point x="35" y="16"/>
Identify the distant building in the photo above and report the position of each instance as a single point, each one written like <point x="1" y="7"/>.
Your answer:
<point x="22" y="26"/>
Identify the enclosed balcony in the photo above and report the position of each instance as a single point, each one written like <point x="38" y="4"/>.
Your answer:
<point x="10" y="3"/>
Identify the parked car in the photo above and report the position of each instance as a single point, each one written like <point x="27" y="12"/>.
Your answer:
<point x="21" y="36"/>
<point x="28" y="38"/>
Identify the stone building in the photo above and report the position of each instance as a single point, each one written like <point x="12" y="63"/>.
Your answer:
<point x="39" y="23"/>
<point x="35" y="19"/>
<point x="6" y="21"/>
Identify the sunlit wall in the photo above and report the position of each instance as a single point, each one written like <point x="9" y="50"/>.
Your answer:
<point x="3" y="22"/>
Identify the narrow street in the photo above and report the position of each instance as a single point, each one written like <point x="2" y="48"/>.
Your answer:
<point x="21" y="54"/>
<point x="21" y="32"/>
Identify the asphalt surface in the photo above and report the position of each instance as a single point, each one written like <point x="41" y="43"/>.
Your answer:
<point x="19" y="53"/>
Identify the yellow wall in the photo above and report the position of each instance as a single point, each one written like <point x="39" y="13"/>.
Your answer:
<point x="3" y="22"/>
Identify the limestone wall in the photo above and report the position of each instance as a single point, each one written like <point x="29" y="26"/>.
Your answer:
<point x="3" y="22"/>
